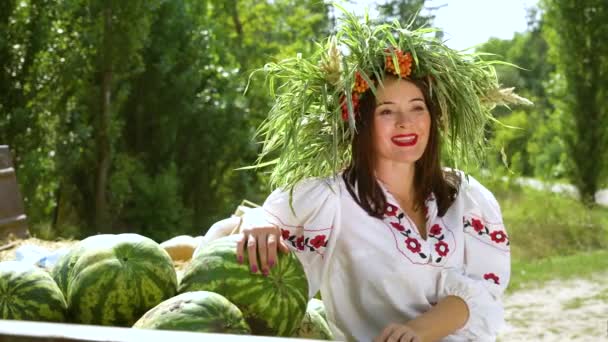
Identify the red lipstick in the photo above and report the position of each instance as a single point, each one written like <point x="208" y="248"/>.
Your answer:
<point x="405" y="139"/>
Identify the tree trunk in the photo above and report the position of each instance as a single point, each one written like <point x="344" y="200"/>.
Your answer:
<point x="103" y="138"/>
<point x="238" y="26"/>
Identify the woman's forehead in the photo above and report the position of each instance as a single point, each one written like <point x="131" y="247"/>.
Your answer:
<point x="397" y="90"/>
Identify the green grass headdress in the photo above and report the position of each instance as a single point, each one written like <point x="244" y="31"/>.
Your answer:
<point x="309" y="130"/>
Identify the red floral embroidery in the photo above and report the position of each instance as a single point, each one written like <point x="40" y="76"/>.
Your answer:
<point x="285" y="234"/>
<point x="477" y="225"/>
<point x="442" y="248"/>
<point x="493" y="277"/>
<point x="479" y="229"/>
<point x="413" y="245"/>
<point x="435" y="230"/>
<point x="300" y="243"/>
<point x="390" y="210"/>
<point x="398" y="226"/>
<point x="498" y="236"/>
<point x="318" y="241"/>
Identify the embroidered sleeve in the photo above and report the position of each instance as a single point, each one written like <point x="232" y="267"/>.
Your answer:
<point x="307" y="228"/>
<point x="487" y="265"/>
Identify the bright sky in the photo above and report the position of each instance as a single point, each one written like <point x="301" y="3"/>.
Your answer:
<point x="469" y="22"/>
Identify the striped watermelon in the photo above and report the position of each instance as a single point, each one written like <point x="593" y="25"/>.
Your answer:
<point x="62" y="270"/>
<point x="29" y="293"/>
<point x="200" y="311"/>
<point x="115" y="281"/>
<point x="314" y="326"/>
<point x="272" y="305"/>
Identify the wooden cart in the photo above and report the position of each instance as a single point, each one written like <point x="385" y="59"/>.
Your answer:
<point x="12" y="215"/>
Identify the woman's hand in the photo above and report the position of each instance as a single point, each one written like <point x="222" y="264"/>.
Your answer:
<point x="263" y="240"/>
<point x="398" y="333"/>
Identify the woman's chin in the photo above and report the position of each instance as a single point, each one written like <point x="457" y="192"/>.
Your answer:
<point x="401" y="160"/>
<point x="407" y="157"/>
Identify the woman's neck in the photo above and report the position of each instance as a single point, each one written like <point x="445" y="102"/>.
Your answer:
<point x="398" y="178"/>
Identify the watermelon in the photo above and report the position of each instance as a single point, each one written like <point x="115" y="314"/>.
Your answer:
<point x="272" y="305"/>
<point x="63" y="268"/>
<point x="115" y="281"/>
<point x="29" y="293"/>
<point x="314" y="326"/>
<point x="199" y="311"/>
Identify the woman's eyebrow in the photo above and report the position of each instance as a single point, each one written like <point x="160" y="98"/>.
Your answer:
<point x="391" y="102"/>
<point x="384" y="102"/>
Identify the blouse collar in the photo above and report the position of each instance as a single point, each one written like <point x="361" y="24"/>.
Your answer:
<point x="430" y="204"/>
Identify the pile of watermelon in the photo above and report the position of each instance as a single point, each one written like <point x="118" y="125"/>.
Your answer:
<point x="129" y="280"/>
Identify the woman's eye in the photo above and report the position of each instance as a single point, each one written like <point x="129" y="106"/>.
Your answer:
<point x="419" y="108"/>
<point x="386" y="112"/>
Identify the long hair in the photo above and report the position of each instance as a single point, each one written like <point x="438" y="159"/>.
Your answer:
<point x="428" y="176"/>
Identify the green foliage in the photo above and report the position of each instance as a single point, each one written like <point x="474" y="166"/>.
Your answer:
<point x="538" y="271"/>
<point x="157" y="209"/>
<point x="176" y="125"/>
<point x="580" y="86"/>
<point x="543" y="224"/>
<point x="527" y="143"/>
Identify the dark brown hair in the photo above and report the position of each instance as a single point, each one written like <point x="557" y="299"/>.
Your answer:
<point x="428" y="177"/>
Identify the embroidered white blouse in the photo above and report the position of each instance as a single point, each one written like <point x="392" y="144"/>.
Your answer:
<point x="373" y="272"/>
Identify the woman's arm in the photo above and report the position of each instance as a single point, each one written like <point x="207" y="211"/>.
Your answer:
<point x="448" y="315"/>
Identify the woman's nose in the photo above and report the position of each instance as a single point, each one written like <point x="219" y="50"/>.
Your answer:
<point x="404" y="119"/>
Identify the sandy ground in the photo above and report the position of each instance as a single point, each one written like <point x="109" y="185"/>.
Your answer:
<point x="8" y="248"/>
<point x="560" y="310"/>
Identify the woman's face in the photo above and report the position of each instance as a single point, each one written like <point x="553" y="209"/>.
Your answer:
<point x="402" y="122"/>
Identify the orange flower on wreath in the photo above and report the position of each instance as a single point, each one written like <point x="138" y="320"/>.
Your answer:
<point x="344" y="105"/>
<point x="405" y="62"/>
<point x="361" y="85"/>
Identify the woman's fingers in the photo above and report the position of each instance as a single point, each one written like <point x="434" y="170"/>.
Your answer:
<point x="397" y="333"/>
<point x="251" y="253"/>
<point x="404" y="336"/>
<point x="272" y="250"/>
<point x="263" y="252"/>
<point x="386" y="333"/>
<point x="283" y="247"/>
<point x="240" y="247"/>
<point x="262" y="242"/>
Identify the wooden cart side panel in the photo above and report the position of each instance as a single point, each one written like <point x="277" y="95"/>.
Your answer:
<point x="12" y="213"/>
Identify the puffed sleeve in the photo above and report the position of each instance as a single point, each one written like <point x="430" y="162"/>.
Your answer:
<point x="487" y="265"/>
<point x="307" y="229"/>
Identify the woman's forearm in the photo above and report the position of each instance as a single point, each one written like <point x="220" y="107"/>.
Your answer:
<point x="443" y="319"/>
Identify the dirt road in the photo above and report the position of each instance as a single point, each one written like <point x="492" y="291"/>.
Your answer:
<point x="560" y="310"/>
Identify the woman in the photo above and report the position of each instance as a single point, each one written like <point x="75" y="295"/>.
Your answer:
<point x="401" y="249"/>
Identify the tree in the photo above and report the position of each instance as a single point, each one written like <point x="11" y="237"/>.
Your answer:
<point x="533" y="149"/>
<point x="25" y="31"/>
<point x="408" y="11"/>
<point x="575" y="30"/>
<point x="130" y="116"/>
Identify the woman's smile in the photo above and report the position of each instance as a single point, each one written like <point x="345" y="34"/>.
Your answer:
<point x="405" y="139"/>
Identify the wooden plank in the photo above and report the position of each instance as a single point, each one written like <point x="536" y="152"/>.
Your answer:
<point x="12" y="213"/>
<point x="21" y="331"/>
